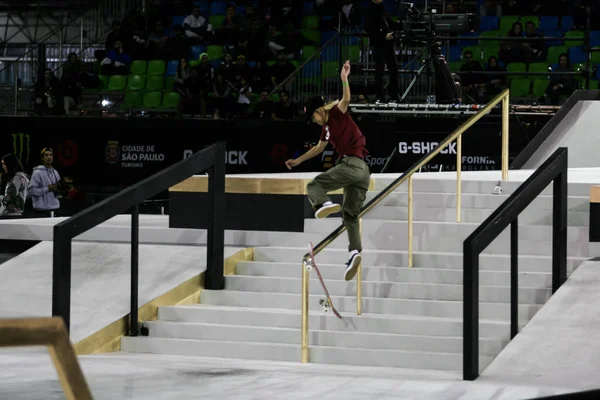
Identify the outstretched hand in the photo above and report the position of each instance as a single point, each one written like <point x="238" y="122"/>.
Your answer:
<point x="291" y="163"/>
<point x="345" y="69"/>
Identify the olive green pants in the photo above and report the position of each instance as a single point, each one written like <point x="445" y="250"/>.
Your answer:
<point x="354" y="176"/>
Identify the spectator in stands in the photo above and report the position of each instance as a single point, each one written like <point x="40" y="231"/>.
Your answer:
<point x="47" y="94"/>
<point x="253" y="41"/>
<point x="117" y="61"/>
<point x="182" y="73"/>
<point x="560" y="85"/>
<point x="536" y="46"/>
<point x="230" y="28"/>
<point x="16" y="183"/>
<point x="264" y="107"/>
<point x="206" y="72"/>
<point x="261" y="76"/>
<point x="157" y="12"/>
<point x="349" y="14"/>
<point x="222" y="103"/>
<point x="251" y="17"/>
<point x="241" y="69"/>
<point x="196" y="27"/>
<point x="157" y="42"/>
<point x="227" y="67"/>
<point x="45" y="186"/>
<point x="116" y="35"/>
<point x="494" y="84"/>
<point x="193" y="94"/>
<point x="285" y="110"/>
<point x="472" y="84"/>
<point x="243" y="101"/>
<point x="491" y="7"/>
<point x="281" y="70"/>
<point x="513" y="51"/>
<point x="177" y="45"/>
<point x="70" y="83"/>
<point x="138" y="43"/>
<point x="380" y="28"/>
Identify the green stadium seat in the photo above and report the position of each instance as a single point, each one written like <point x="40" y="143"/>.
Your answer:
<point x="216" y="21"/>
<point x="171" y="100"/>
<point x="519" y="87"/>
<point x="157" y="67"/>
<point x="489" y="52"/>
<point x="455" y="66"/>
<point x="103" y="82"/>
<point x="538" y="67"/>
<point x="308" y="52"/>
<point x="490" y="43"/>
<point x="155" y="83"/>
<point x="139" y="67"/>
<point x="351" y="53"/>
<point x="151" y="100"/>
<point x="136" y="82"/>
<point x="117" y="83"/>
<point x="170" y="83"/>
<point x="330" y="69"/>
<point x="132" y="99"/>
<point x="214" y="52"/>
<point x="310" y="22"/>
<point x="554" y="52"/>
<point x="574" y="34"/>
<point x="539" y="87"/>
<point x="516" y="67"/>
<point x="194" y="63"/>
<point x="506" y="24"/>
<point x="314" y="36"/>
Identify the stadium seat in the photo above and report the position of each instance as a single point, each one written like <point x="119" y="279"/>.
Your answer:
<point x="216" y="21"/>
<point x="331" y="69"/>
<point x="103" y="82"/>
<point x="351" y="53"/>
<point x="520" y="87"/>
<point x="466" y="42"/>
<point x="331" y="53"/>
<point x="132" y="100"/>
<point x="538" y="67"/>
<point x="327" y="36"/>
<point x="312" y="69"/>
<point x="196" y="50"/>
<point x="533" y="18"/>
<point x="172" y="67"/>
<point x="314" y="36"/>
<point x="488" y="23"/>
<point x="455" y="54"/>
<point x="136" y="82"/>
<point x="506" y="24"/>
<point x="554" y="52"/>
<point x="194" y="63"/>
<point x="489" y="52"/>
<point x="595" y="38"/>
<point x="549" y="23"/>
<point x="169" y="84"/>
<point x="539" y="87"/>
<point x="577" y="55"/>
<point x="490" y="43"/>
<point x="151" y="99"/>
<point x="218" y="7"/>
<point x="310" y="22"/>
<point x="155" y="82"/>
<point x="214" y="52"/>
<point x="516" y="67"/>
<point x="566" y="23"/>
<point x="574" y="34"/>
<point x="204" y="6"/>
<point x="138" y="67"/>
<point x="156" y="67"/>
<point x="178" y="20"/>
<point x="553" y="34"/>
<point x="170" y="100"/>
<point x="117" y="83"/>
<point x="308" y="52"/>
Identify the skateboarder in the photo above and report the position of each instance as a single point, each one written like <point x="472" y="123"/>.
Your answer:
<point x="350" y="172"/>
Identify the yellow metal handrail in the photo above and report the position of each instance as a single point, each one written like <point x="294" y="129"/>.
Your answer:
<point x="49" y="332"/>
<point x="503" y="98"/>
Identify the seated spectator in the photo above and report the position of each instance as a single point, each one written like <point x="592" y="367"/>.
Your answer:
<point x="182" y="73"/>
<point x="138" y="43"/>
<point x="261" y="76"/>
<point x="193" y="94"/>
<point x="494" y="84"/>
<point x="47" y="94"/>
<point x="222" y="102"/>
<point x="281" y="70"/>
<point x="471" y="83"/>
<point x="250" y="17"/>
<point x="70" y="83"/>
<point x="116" y="35"/>
<point x="513" y="51"/>
<point x="242" y="69"/>
<point x="560" y="85"/>
<point x="252" y="42"/>
<point x="536" y="46"/>
<point x="264" y="108"/>
<point x="285" y="110"/>
<point x="230" y="28"/>
<point x="196" y="27"/>
<point x="157" y="42"/>
<point x="227" y="67"/>
<point x="177" y="45"/>
<point x="243" y="101"/>
<point x="117" y="61"/>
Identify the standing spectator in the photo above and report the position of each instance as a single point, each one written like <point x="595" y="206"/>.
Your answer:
<point x="47" y="94"/>
<point x="45" y="185"/>
<point x="12" y="202"/>
<point x="71" y="83"/>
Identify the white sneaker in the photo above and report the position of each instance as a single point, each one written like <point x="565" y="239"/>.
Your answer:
<point x="326" y="210"/>
<point x="352" y="266"/>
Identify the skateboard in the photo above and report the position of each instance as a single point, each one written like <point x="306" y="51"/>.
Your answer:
<point x="311" y="263"/>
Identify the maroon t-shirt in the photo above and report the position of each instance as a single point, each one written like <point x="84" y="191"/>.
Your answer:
<point x="341" y="131"/>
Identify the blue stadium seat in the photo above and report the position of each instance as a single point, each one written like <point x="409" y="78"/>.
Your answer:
<point x="330" y="53"/>
<point x="308" y="8"/>
<point x="215" y="63"/>
<point x="251" y="64"/>
<point x="218" y="7"/>
<point x="556" y="34"/>
<point x="566" y="23"/>
<point x="172" y="67"/>
<point x="577" y="55"/>
<point x="548" y="23"/>
<point x="311" y="69"/>
<point x="196" y="50"/>
<point x="178" y="20"/>
<point x="204" y="7"/>
<point x="455" y="54"/>
<point x="595" y="38"/>
<point x="466" y="43"/>
<point x="326" y="36"/>
<point x="488" y="23"/>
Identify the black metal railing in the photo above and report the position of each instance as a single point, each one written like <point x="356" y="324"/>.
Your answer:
<point x="212" y="159"/>
<point x="554" y="169"/>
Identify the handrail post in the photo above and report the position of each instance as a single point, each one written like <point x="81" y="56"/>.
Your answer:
<point x="359" y="279"/>
<point x="458" y="175"/>
<point x="214" y="279"/>
<point x="135" y="240"/>
<point x="559" y="230"/>
<point x="470" y="312"/>
<point x="505" y="133"/>
<point x="514" y="278"/>
<point x="304" y="327"/>
<point x="410" y="222"/>
<point x="61" y="276"/>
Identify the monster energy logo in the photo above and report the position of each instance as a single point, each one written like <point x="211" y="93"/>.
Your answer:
<point x="21" y="143"/>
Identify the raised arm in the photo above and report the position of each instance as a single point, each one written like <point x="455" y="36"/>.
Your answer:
<point x="315" y="151"/>
<point x="343" y="106"/>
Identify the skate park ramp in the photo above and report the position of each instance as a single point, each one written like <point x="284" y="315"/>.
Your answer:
<point x="574" y="126"/>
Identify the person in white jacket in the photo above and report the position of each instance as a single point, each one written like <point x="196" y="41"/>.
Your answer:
<point x="12" y="202"/>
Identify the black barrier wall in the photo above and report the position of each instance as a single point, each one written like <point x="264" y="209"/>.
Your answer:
<point x="105" y="155"/>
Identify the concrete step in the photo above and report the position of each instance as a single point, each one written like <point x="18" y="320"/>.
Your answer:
<point x="395" y="274"/>
<point x="471" y="215"/>
<point x="347" y="304"/>
<point x="435" y="183"/>
<point x="366" y="323"/>
<point x="365" y="340"/>
<point x="289" y="352"/>
<point x="451" y="260"/>
<point x="475" y="200"/>
<point x="443" y="229"/>
<point x="385" y="290"/>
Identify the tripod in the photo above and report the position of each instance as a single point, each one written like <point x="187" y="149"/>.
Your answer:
<point x="445" y="90"/>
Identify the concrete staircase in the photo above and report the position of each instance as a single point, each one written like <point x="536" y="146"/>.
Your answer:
<point x="412" y="318"/>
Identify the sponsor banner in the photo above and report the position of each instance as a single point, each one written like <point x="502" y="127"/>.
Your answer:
<point x="107" y="155"/>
